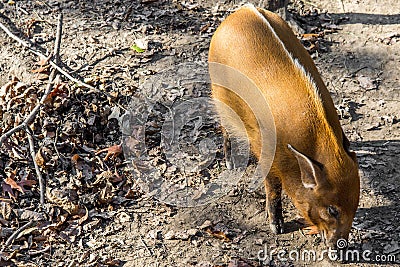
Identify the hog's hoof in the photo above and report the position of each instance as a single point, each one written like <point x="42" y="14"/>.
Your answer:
<point x="277" y="227"/>
<point x="229" y="164"/>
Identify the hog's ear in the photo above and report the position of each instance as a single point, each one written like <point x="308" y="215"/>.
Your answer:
<point x="311" y="173"/>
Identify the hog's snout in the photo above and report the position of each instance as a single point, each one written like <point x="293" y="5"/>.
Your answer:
<point x="336" y="242"/>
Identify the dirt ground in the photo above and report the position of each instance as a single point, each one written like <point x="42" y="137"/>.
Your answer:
<point x="358" y="57"/>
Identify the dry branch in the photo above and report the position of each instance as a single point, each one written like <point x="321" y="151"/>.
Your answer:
<point x="49" y="87"/>
<point x="11" y="239"/>
<point x="53" y="63"/>
<point x="38" y="173"/>
<point x="34" y="112"/>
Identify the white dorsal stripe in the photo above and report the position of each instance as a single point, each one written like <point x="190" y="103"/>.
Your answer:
<point x="294" y="60"/>
<point x="307" y="185"/>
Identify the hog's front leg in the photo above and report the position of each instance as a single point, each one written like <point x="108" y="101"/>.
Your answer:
<point x="273" y="190"/>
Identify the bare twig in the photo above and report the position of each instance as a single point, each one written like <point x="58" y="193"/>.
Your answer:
<point x="22" y="10"/>
<point x="341" y="1"/>
<point x="57" y="43"/>
<point x="145" y="246"/>
<point x="38" y="173"/>
<point x="57" y="60"/>
<point x="49" y="87"/>
<point x="20" y="41"/>
<point x="74" y="263"/>
<point x="2" y="199"/>
<point x="10" y="132"/>
<point x="11" y="239"/>
<point x="37" y="252"/>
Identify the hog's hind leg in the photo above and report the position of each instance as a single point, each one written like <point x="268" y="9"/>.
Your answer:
<point x="227" y="150"/>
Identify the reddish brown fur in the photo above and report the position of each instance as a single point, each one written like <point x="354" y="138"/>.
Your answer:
<point x="304" y="115"/>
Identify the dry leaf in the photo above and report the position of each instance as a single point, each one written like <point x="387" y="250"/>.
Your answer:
<point x="367" y="82"/>
<point x="71" y="232"/>
<point x="75" y="158"/>
<point x="29" y="215"/>
<point x="131" y="194"/>
<point x="42" y="69"/>
<point x="40" y="160"/>
<point x="112" y="151"/>
<point x="56" y="197"/>
<point x="26" y="232"/>
<point x="112" y="262"/>
<point x="7" y="188"/>
<point x="218" y="234"/>
<point x="58" y="91"/>
<point x="106" y="195"/>
<point x="148" y="1"/>
<point x="91" y="225"/>
<point x="84" y="217"/>
<point x="310" y="36"/>
<point x="7" y="88"/>
<point x="43" y="61"/>
<point x="25" y="182"/>
<point x="43" y="156"/>
<point x="5" y="210"/>
<point x="104" y="176"/>
<point x="14" y="184"/>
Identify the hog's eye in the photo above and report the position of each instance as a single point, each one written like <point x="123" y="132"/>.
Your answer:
<point x="333" y="211"/>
